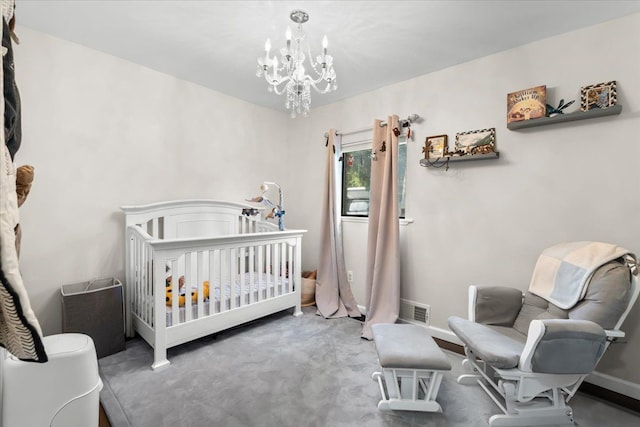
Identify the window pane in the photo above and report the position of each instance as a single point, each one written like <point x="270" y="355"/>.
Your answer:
<point x="355" y="182"/>
<point x="356" y="176"/>
<point x="402" y="177"/>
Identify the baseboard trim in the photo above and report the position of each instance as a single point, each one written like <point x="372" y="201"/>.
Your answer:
<point x="617" y="385"/>
<point x="610" y="396"/>
<point x="614" y="390"/>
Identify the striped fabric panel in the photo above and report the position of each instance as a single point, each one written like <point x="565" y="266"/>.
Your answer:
<point x="17" y="335"/>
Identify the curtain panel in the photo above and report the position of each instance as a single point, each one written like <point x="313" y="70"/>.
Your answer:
<point x="333" y="292"/>
<point x="383" y="242"/>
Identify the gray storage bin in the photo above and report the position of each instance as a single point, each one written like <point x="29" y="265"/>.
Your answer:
<point x="95" y="308"/>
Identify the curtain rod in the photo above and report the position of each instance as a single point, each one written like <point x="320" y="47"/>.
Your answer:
<point x="410" y="119"/>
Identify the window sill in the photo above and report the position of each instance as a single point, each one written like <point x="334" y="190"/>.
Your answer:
<point x="364" y="219"/>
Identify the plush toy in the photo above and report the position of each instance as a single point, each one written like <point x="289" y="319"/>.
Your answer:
<point x="181" y="297"/>
<point x="24" y="180"/>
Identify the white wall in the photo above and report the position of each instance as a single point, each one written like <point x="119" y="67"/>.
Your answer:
<point x="103" y="132"/>
<point x="486" y="222"/>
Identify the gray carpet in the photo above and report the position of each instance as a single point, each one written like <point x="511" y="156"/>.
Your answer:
<point x="288" y="371"/>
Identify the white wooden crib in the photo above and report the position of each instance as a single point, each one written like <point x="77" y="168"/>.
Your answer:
<point x="251" y="269"/>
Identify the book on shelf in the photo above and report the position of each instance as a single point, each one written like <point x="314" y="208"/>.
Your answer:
<point x="527" y="104"/>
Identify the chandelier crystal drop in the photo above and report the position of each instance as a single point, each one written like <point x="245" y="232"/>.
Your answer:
<point x="289" y="76"/>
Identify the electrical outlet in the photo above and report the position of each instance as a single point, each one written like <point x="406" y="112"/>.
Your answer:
<point x="350" y="276"/>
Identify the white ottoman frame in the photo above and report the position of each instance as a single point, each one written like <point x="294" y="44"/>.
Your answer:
<point x="412" y="365"/>
<point x="409" y="389"/>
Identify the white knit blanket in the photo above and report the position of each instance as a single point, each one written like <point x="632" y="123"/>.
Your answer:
<point x="563" y="271"/>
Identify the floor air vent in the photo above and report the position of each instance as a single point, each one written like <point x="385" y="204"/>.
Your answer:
<point x="414" y="312"/>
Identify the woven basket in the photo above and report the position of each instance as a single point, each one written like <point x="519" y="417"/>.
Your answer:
<point x="308" y="292"/>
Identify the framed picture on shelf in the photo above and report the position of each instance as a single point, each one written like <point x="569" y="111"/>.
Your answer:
<point x="527" y="104"/>
<point x="601" y="95"/>
<point x="435" y="147"/>
<point x="481" y="141"/>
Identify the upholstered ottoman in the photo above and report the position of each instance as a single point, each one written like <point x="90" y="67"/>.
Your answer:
<point x="412" y="366"/>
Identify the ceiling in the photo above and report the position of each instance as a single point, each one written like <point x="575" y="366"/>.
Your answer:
<point x="374" y="43"/>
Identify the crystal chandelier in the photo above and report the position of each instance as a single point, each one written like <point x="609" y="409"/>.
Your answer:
<point x="289" y="74"/>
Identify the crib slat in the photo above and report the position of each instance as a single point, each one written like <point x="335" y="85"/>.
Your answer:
<point x="233" y="268"/>
<point x="147" y="293"/>
<point x="134" y="285"/>
<point x="273" y="271"/>
<point x="142" y="284"/>
<point x="252" y="273"/>
<point x="269" y="256"/>
<point x="146" y="299"/>
<point x="284" y="264"/>
<point x="213" y="284"/>
<point x="224" y="284"/>
<point x="175" y="293"/>
<point x="278" y="272"/>
<point x="138" y="282"/>
<point x="276" y="269"/>
<point x="188" y="283"/>
<point x="260" y="271"/>
<point x="243" y="254"/>
<point x="284" y="268"/>
<point x="223" y="288"/>
<point x="290" y="270"/>
<point x="201" y="295"/>
<point x="227" y="279"/>
<point x="141" y="279"/>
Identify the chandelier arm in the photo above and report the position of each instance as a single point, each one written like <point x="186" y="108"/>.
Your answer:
<point x="327" y="88"/>
<point x="318" y="80"/>
<point x="284" y="88"/>
<point x="268" y="78"/>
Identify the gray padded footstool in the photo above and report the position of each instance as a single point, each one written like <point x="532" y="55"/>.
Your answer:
<point x="412" y="366"/>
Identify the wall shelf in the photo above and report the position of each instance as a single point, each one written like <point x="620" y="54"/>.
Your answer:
<point x="569" y="117"/>
<point x="448" y="159"/>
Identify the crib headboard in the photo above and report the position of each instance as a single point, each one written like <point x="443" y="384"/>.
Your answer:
<point x="194" y="218"/>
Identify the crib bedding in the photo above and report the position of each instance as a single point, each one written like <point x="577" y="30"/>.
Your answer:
<point x="264" y="286"/>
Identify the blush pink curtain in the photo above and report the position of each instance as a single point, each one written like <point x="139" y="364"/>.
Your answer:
<point x="333" y="292"/>
<point x="383" y="244"/>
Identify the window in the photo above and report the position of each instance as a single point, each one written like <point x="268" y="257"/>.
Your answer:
<point x="356" y="176"/>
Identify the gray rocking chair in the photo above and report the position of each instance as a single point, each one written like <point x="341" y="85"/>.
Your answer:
<point x="529" y="355"/>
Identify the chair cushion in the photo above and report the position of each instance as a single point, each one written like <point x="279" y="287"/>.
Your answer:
<point x="610" y="283"/>
<point x="535" y="307"/>
<point x="407" y="346"/>
<point x="554" y="339"/>
<point x="488" y="343"/>
<point x="497" y="305"/>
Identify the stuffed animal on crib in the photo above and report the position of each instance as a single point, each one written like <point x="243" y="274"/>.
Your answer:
<point x="182" y="288"/>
